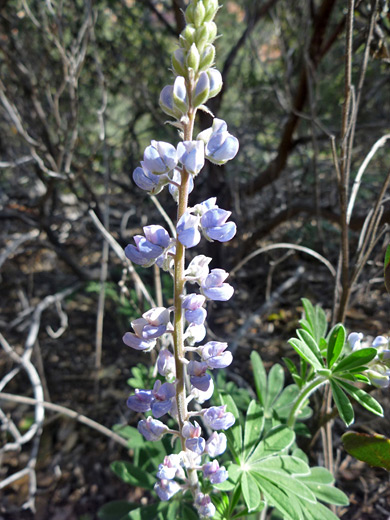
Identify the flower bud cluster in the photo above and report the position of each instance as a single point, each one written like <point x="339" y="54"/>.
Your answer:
<point x="183" y="365"/>
<point x="378" y="369"/>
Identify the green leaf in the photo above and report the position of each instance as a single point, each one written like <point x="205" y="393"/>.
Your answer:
<point x="278" y="439"/>
<point x="254" y="425"/>
<point x="310" y="314"/>
<point x="116" y="510"/>
<point x="335" y="344"/>
<point x="329" y="494"/>
<point x="321" y="324"/>
<point x="343" y="405"/>
<point x="133" y="475"/>
<point x="372" y="449"/>
<point x="136" y="440"/>
<point x="275" y="384"/>
<point x="319" y="512"/>
<point x="278" y="498"/>
<point x="311" y="343"/>
<point x="283" y="405"/>
<point x="356" y="359"/>
<point x="288" y="483"/>
<point x="305" y="352"/>
<point x="187" y="513"/>
<point x="318" y="475"/>
<point x="387" y="269"/>
<point x="363" y="398"/>
<point x="234" y="433"/>
<point x="250" y="491"/>
<point x="260" y="377"/>
<point x="284" y="463"/>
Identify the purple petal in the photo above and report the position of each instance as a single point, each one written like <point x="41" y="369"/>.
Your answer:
<point x="133" y="341"/>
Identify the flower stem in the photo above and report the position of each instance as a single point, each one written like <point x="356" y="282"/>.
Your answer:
<point x="179" y="283"/>
<point x="302" y="398"/>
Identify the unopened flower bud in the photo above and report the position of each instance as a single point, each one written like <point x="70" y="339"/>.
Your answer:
<point x="212" y="31"/>
<point x="202" y="89"/>
<point x="187" y="36"/>
<point x="152" y="429"/>
<point x="178" y="62"/>
<point x="199" y="14"/>
<point x="159" y="157"/>
<point x="191" y="155"/>
<point x="193" y="58"/>
<point x="204" y="506"/>
<point x="201" y="37"/>
<point x="187" y="230"/>
<point x="165" y="489"/>
<point x="167" y="104"/>
<point x="216" y="82"/>
<point x="207" y="57"/>
<point x="180" y="99"/>
<point x="166" y="364"/>
<point x="211" y="9"/>
<point x="189" y="13"/>
<point x="216" y="444"/>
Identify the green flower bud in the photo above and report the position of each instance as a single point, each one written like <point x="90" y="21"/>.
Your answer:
<point x="193" y="58"/>
<point x="189" y="14"/>
<point x="211" y="9"/>
<point x="212" y="31"/>
<point x="202" y="37"/>
<point x="199" y="14"/>
<point x="187" y="36"/>
<point x="178" y="62"/>
<point x="207" y="57"/>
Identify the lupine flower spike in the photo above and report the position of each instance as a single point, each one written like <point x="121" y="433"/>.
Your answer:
<point x="176" y="166"/>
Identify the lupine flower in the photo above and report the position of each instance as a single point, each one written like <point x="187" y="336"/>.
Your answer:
<point x="195" y="333"/>
<point x="167" y="104"/>
<point x="191" y="155"/>
<point x="138" y="342"/>
<point x="215" y="227"/>
<point x="216" y="444"/>
<point x="140" y="401"/>
<point x="213" y="353"/>
<point x="149" y="247"/>
<point x="152" y="429"/>
<point x="165" y="489"/>
<point x="214" y="288"/>
<point x="147" y="181"/>
<point x="202" y="90"/>
<point x="187" y="230"/>
<point x="201" y="396"/>
<point x="220" y="145"/>
<point x="378" y="375"/>
<point x="204" y="506"/>
<point x="159" y="158"/>
<point x="163" y="394"/>
<point x="192" y="434"/>
<point x="171" y="467"/>
<point x="217" y="418"/>
<point x="214" y="473"/>
<point x="166" y="364"/>
<point x="179" y="94"/>
<point x="194" y="312"/>
<point x="198" y="268"/>
<point x="354" y="340"/>
<point x="198" y="377"/>
<point x="201" y="208"/>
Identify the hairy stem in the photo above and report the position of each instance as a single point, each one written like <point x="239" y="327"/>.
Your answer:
<point x="302" y="398"/>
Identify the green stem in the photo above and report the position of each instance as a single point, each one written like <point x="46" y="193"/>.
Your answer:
<point x="179" y="284"/>
<point x="302" y="398"/>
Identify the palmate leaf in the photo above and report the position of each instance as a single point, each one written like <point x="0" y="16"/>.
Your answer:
<point x="282" y="463"/>
<point x="362" y="397"/>
<point x="305" y="352"/>
<point x="356" y="359"/>
<point x="344" y="407"/>
<point x="311" y="343"/>
<point x="275" y="385"/>
<point x="277" y="440"/>
<point x="254" y="425"/>
<point x="336" y="342"/>
<point x="289" y="484"/>
<point x="315" y="323"/>
<point x="133" y="475"/>
<point x="274" y="496"/>
<point x="372" y="449"/>
<point x="260" y="377"/>
<point x="250" y="491"/>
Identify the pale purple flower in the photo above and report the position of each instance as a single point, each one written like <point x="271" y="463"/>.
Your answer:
<point x="214" y="473"/>
<point x="378" y="375"/>
<point x="202" y="90"/>
<point x="159" y="158"/>
<point x="198" y="269"/>
<point x="216" y="444"/>
<point x="380" y="341"/>
<point x="152" y="429"/>
<point x="215" y="227"/>
<point x="195" y="333"/>
<point x="198" y="377"/>
<point x="176" y="178"/>
<point x="201" y="208"/>
<point x="140" y="401"/>
<point x="354" y="340"/>
<point x="166" y="364"/>
<point x="149" y="247"/>
<point x="137" y="343"/>
<point x="167" y="104"/>
<point x="220" y="145"/>
<point x="215" y="355"/>
<point x="179" y="94"/>
<point x="192" y="434"/>
<point x="214" y="288"/>
<point x="187" y="230"/>
<point x="147" y="181"/>
<point x="204" y="506"/>
<point x="217" y="418"/>
<point x="163" y="394"/>
<point x="191" y="155"/>
<point x="165" y="489"/>
<point x="201" y="396"/>
<point x="171" y="467"/>
<point x="194" y="312"/>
